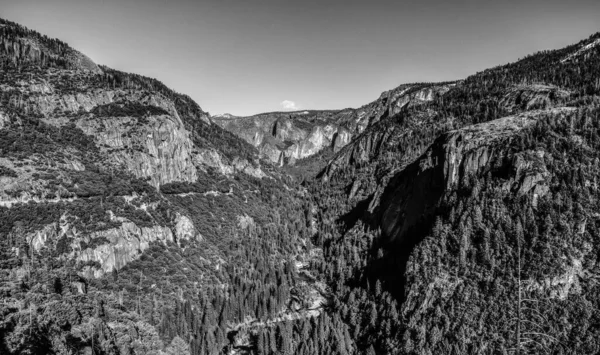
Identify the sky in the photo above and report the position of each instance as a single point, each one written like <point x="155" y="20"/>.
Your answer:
<point x="249" y="56"/>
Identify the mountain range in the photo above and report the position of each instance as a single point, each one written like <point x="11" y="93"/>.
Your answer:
<point x="441" y="218"/>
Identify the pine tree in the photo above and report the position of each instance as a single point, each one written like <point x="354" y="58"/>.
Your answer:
<point x="178" y="346"/>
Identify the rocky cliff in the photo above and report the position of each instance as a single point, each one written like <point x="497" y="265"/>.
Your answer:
<point x="283" y="137"/>
<point x="532" y="97"/>
<point x="461" y="155"/>
<point x="23" y="47"/>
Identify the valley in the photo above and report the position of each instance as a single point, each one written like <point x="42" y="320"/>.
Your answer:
<point x="440" y="218"/>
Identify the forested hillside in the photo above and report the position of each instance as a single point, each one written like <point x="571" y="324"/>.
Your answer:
<point x="130" y="223"/>
<point x="430" y="243"/>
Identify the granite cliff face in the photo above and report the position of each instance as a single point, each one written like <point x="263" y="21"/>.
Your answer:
<point x="88" y="129"/>
<point x="160" y="149"/>
<point x="383" y="136"/>
<point x="127" y="243"/>
<point x="138" y="130"/>
<point x="25" y="47"/>
<point x="458" y="156"/>
<point x="284" y="137"/>
<point x="405" y="96"/>
<point x="112" y="248"/>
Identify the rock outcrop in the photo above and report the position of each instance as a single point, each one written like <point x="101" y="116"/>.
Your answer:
<point x="124" y="244"/>
<point x="361" y="150"/>
<point x="4" y="119"/>
<point x="115" y="247"/>
<point x="283" y="137"/>
<point x="159" y="149"/>
<point x="393" y="101"/>
<point x="534" y="97"/>
<point x="138" y="130"/>
<point x="582" y="50"/>
<point x="25" y="46"/>
<point x="341" y="139"/>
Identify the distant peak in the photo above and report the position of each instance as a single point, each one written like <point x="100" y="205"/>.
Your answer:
<point x="223" y="115"/>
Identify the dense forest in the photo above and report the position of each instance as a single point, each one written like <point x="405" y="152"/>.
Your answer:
<point x="378" y="248"/>
<point x="383" y="279"/>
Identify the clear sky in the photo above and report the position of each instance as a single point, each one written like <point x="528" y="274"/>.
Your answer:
<point x="249" y="56"/>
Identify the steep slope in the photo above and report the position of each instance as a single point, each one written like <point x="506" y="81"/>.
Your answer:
<point x="506" y="257"/>
<point x="452" y="160"/>
<point x="129" y="223"/>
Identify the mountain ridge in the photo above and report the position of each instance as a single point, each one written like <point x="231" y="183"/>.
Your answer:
<point x="134" y="223"/>
<point x="122" y="205"/>
<point x="458" y="246"/>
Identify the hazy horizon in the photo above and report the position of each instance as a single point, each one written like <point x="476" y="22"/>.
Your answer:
<point x="248" y="58"/>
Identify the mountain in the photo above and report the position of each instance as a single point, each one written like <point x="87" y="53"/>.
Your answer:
<point x="441" y="218"/>
<point x="285" y="137"/>
<point x="130" y="223"/>
<point x="468" y="225"/>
